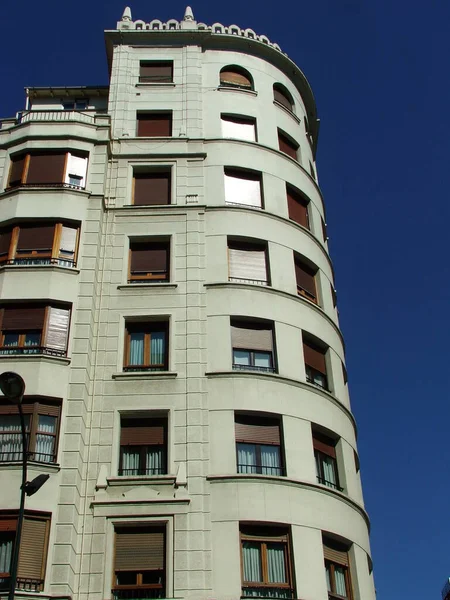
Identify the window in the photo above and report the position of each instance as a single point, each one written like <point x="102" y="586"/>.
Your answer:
<point x="315" y="364"/>
<point x="143" y="446"/>
<point x="139" y="562"/>
<point x="55" y="168"/>
<point x="333" y="295"/>
<point x="311" y="170"/>
<point x="297" y="207"/>
<point x="149" y="261"/>
<point x="324" y="230"/>
<point x="42" y="417"/>
<point x="337" y="570"/>
<point x="34" y="329"/>
<point x="282" y="96"/>
<point x="266" y="562"/>
<point x="151" y="188"/>
<point x="240" y="128"/>
<point x="33" y="550"/>
<point x="77" y="104"/>
<point x="344" y="374"/>
<point x="252" y="344"/>
<point x="325" y="457"/>
<point x="236" y="77"/>
<point x="146" y="346"/>
<point x="155" y="71"/>
<point x="243" y="187"/>
<point x="247" y="263"/>
<point x="287" y="145"/>
<point x="39" y="244"/>
<point x="258" y="445"/>
<point x="154" y="124"/>
<point x="306" y="279"/>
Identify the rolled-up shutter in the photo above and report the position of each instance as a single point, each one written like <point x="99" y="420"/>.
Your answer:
<point x="238" y="128"/>
<point x="140" y="549"/>
<point x="297" y="207"/>
<point x="149" y="257"/>
<point x="281" y="97"/>
<point x="8" y="523"/>
<point x="152" y="188"/>
<point x="229" y="76"/>
<point x="33" y="547"/>
<point x="36" y="238"/>
<point x="257" y="430"/>
<point x="16" y="172"/>
<point x="156" y="72"/>
<point x="324" y="444"/>
<point x="335" y="552"/>
<point x="143" y="432"/>
<point x="57" y="329"/>
<point x="305" y="276"/>
<point x="154" y="125"/>
<point x="242" y="188"/>
<point x="46" y="168"/>
<point x="287" y="146"/>
<point x="247" y="262"/>
<point x="21" y="318"/>
<point x="252" y="336"/>
<point x="314" y="357"/>
<point x="68" y="239"/>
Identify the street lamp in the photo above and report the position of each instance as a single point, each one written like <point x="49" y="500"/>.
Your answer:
<point x="13" y="388"/>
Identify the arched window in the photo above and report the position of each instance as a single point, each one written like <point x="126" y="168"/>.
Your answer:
<point x="281" y="95"/>
<point x="236" y="77"/>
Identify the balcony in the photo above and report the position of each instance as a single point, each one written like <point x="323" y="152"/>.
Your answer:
<point x="267" y="592"/>
<point x="24" y="584"/>
<point x="90" y="117"/>
<point x="139" y="593"/>
<point x="27" y="350"/>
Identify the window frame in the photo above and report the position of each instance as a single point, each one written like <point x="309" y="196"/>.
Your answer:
<point x="33" y="406"/>
<point x="325" y="448"/>
<point x="152" y="79"/>
<point x="336" y="555"/>
<point x="65" y="171"/>
<point x="310" y="370"/>
<point x="138" y="173"/>
<point x="310" y="271"/>
<point x="54" y="256"/>
<point x="239" y="120"/>
<point x="244" y="175"/>
<point x="145" y="421"/>
<point x="255" y="325"/>
<point x="284" y="92"/>
<point x="147" y="328"/>
<point x="237" y="70"/>
<point x="269" y="421"/>
<point x="249" y="246"/>
<point x="261" y="536"/>
<point x="299" y="198"/>
<point x="141" y="115"/>
<point x="150" y="276"/>
<point x="293" y="145"/>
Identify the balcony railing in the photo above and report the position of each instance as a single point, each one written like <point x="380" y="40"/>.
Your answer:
<point x="16" y="456"/>
<point x="26" y="350"/>
<point x="43" y="260"/>
<point x="330" y="484"/>
<point x="249" y="281"/>
<point x="80" y="116"/>
<point x="259" y="470"/>
<point x="237" y="367"/>
<point x="153" y="471"/>
<point x="138" y="593"/>
<point x="50" y="184"/>
<point x="23" y="583"/>
<point x="138" y="368"/>
<point x="267" y="592"/>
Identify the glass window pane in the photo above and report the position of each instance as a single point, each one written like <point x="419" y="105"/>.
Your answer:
<point x="275" y="563"/>
<point x="329" y="471"/>
<point x="6" y="546"/>
<point x="154" y="461"/>
<point x="246" y="458"/>
<point x="251" y="554"/>
<point x="157" y="348"/>
<point x="339" y="577"/>
<point x="32" y="338"/>
<point x="11" y="339"/>
<point x="328" y="577"/>
<point x="136" y="348"/>
<point x="241" y="357"/>
<point x="130" y="461"/>
<point x="11" y="437"/>
<point x="263" y="359"/>
<point x="45" y="442"/>
<point x="270" y="460"/>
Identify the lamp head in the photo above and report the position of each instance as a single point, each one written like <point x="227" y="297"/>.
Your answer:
<point x="12" y="386"/>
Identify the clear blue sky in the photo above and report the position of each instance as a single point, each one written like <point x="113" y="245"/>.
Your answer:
<point x="380" y="74"/>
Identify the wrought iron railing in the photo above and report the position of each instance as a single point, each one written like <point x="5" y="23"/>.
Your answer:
<point x="330" y="484"/>
<point x="50" y="184"/>
<point x="267" y="592"/>
<point x="323" y="386"/>
<point x="137" y="368"/>
<point x="237" y="367"/>
<point x="15" y="456"/>
<point x="39" y="260"/>
<point x="259" y="469"/>
<point x="25" y="584"/>
<point x="27" y="350"/>
<point x="138" y="593"/>
<point x="250" y="281"/>
<point x="152" y="471"/>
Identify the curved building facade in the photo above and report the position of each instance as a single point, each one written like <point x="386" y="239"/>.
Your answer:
<point x="167" y="294"/>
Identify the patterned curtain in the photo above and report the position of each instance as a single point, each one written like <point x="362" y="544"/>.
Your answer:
<point x="45" y="443"/>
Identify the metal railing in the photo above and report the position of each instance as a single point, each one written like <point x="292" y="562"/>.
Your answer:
<point x="50" y="184"/>
<point x="153" y="471"/>
<point x="14" y="456"/>
<point x="25" y="350"/>
<point x="267" y="592"/>
<point x="259" y="470"/>
<point x="39" y="260"/>
<point x="80" y="116"/>
<point x="138" y="368"/>
<point x="330" y="484"/>
<point x="237" y="367"/>
<point x="323" y="386"/>
<point x="140" y="593"/>
<point x="25" y="584"/>
<point x="250" y="281"/>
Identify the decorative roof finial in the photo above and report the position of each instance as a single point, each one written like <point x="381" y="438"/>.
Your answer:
<point x="126" y="14"/>
<point x="188" y="14"/>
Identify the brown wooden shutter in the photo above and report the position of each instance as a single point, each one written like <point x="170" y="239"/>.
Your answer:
<point x="151" y="188"/>
<point x="282" y="98"/>
<point x="33" y="546"/>
<point x="154" y="125"/>
<point x="247" y="261"/>
<point x="156" y="71"/>
<point x="314" y="358"/>
<point x="35" y="237"/>
<point x="23" y="317"/>
<point x="287" y="146"/>
<point x="252" y="336"/>
<point x="16" y="172"/>
<point x="257" y="430"/>
<point x="305" y="277"/>
<point x="231" y="77"/>
<point x="297" y="208"/>
<point x="149" y="256"/>
<point x="143" y="432"/>
<point x="140" y="549"/>
<point x="46" y="168"/>
<point x="5" y="243"/>
<point x="335" y="552"/>
<point x="324" y="444"/>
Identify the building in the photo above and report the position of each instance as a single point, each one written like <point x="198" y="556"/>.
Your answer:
<point x="168" y="297"/>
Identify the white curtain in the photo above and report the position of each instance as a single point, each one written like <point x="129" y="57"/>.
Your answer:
<point x="329" y="473"/>
<point x="246" y="458"/>
<point x="6" y="547"/>
<point x="339" y="577"/>
<point x="130" y="461"/>
<point x="157" y="348"/>
<point x="270" y="460"/>
<point x="242" y="191"/>
<point x="154" y="461"/>
<point x="131" y="464"/>
<point x="252" y="561"/>
<point x="45" y="443"/>
<point x="275" y="563"/>
<point x="328" y="577"/>
<point x="239" y="131"/>
<point x="11" y="437"/>
<point x="137" y="348"/>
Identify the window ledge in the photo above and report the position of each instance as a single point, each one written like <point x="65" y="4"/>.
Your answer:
<point x="145" y="375"/>
<point x="226" y="88"/>
<point x="35" y="357"/>
<point x="131" y="286"/>
<point x="43" y="190"/>
<point x="155" y="84"/>
<point x="36" y="268"/>
<point x="286" y="110"/>
<point x="135" y="480"/>
<point x="31" y="464"/>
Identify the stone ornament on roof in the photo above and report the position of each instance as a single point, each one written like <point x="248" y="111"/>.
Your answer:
<point x="188" y="22"/>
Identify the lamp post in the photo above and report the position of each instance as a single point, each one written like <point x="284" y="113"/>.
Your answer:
<point x="13" y="388"/>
